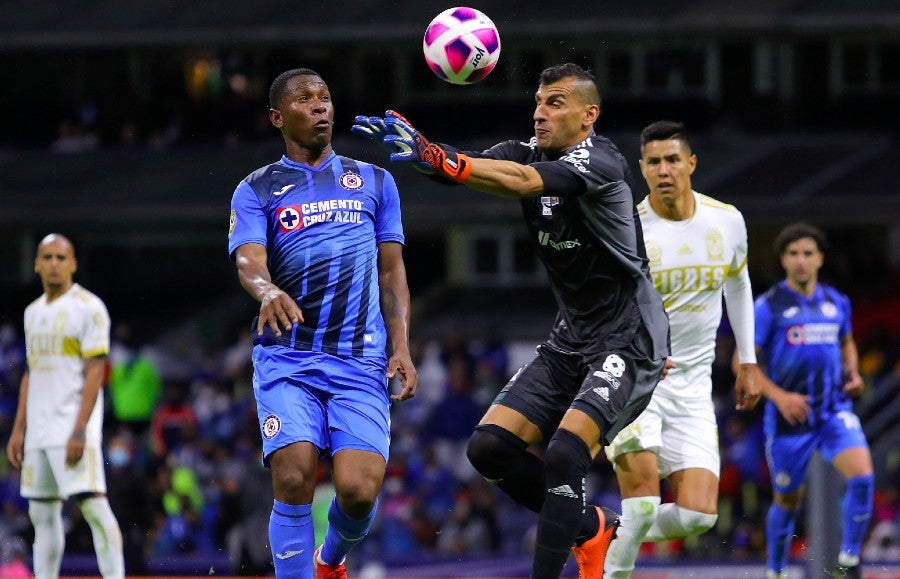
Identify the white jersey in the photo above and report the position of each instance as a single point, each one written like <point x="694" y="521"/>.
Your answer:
<point x="690" y="262"/>
<point x="59" y="336"/>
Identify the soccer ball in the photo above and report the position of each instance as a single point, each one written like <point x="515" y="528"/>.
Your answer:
<point x="461" y="45"/>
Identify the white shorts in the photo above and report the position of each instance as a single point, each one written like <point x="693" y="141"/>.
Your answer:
<point x="45" y="474"/>
<point x="682" y="432"/>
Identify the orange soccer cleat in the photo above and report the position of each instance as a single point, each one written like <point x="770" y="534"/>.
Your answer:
<point x="591" y="555"/>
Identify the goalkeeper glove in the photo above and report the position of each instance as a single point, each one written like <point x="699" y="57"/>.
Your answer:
<point x="415" y="148"/>
<point x="371" y="128"/>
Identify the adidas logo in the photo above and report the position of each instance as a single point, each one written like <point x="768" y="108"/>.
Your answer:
<point x="564" y="491"/>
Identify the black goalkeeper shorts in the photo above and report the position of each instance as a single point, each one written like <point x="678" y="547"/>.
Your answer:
<point x="612" y="387"/>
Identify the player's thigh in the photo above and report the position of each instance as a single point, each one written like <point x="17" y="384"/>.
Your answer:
<point x="357" y="406"/>
<point x="289" y="409"/>
<point x="38" y="480"/>
<point x="690" y="435"/>
<point x="696" y="489"/>
<point x="844" y="445"/>
<point x="541" y="392"/>
<point x="788" y="457"/>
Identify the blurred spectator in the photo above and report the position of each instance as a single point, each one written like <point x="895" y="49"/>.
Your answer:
<point x="247" y="544"/>
<point x="14" y="559"/>
<point x="134" y="381"/>
<point x="73" y="137"/>
<point x="472" y="526"/>
<point x="128" y="494"/>
<point x="174" y="422"/>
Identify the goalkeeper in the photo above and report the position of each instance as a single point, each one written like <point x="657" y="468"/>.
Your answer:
<point x="609" y="344"/>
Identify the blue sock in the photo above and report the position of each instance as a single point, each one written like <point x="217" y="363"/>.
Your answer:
<point x="779" y="535"/>
<point x="292" y="540"/>
<point x="343" y="533"/>
<point x="857" y="513"/>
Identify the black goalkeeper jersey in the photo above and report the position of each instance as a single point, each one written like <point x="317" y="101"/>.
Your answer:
<point x="593" y="249"/>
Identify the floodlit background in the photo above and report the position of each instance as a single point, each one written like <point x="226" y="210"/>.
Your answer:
<point x="126" y="125"/>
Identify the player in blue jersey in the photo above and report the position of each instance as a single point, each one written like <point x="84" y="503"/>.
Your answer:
<point x="804" y="335"/>
<point x="317" y="240"/>
<point x="609" y="345"/>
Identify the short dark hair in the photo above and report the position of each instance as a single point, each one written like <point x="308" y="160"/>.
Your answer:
<point x="796" y="231"/>
<point x="277" y="88"/>
<point x="558" y="72"/>
<point x="663" y="131"/>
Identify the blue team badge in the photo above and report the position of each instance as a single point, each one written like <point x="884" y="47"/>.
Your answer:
<point x="271" y="426"/>
<point x="351" y="181"/>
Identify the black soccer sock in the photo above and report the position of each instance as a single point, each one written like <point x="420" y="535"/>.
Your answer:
<point x="567" y="462"/>
<point x="503" y="459"/>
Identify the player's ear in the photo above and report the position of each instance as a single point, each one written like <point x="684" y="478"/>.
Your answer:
<point x="275" y="118"/>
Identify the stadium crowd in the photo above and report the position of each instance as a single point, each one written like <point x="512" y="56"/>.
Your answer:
<point x="185" y="476"/>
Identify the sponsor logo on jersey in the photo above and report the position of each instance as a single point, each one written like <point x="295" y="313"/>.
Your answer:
<point x="284" y="190"/>
<point x="790" y="312"/>
<point x="579" y="157"/>
<point x="547" y="205"/>
<point x="691" y="278"/>
<point x="271" y="426"/>
<point x="290" y="218"/>
<point x="544" y="239"/>
<point x="232" y="221"/>
<point x="715" y="245"/>
<point x="608" y="378"/>
<point x="813" y="334"/>
<point x="351" y="181"/>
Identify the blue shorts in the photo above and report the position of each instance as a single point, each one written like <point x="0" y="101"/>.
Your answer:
<point x="336" y="403"/>
<point x="788" y="454"/>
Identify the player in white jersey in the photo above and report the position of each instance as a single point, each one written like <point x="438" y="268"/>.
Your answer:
<point x="697" y="248"/>
<point x="56" y="437"/>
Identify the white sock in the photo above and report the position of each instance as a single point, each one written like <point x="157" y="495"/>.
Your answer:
<point x="49" y="537"/>
<point x="638" y="514"/>
<point x="107" y="536"/>
<point x="674" y="522"/>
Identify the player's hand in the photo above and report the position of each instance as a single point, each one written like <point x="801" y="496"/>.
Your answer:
<point x="793" y="407"/>
<point x="747" y="390"/>
<point x="371" y="128"/>
<point x="15" y="449"/>
<point x="75" y="446"/>
<point x="407" y="143"/>
<point x="401" y="366"/>
<point x="854" y="385"/>
<point x="669" y="365"/>
<point x="279" y="311"/>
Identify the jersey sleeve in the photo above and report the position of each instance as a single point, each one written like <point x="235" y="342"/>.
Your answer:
<point x="388" y="222"/>
<point x="739" y="258"/>
<point x="762" y="322"/>
<point x="95" y="330"/>
<point x="847" y="323"/>
<point x="247" y="222"/>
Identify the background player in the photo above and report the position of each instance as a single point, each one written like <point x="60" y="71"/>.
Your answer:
<point x="56" y="437"/>
<point x="317" y="240"/>
<point x="804" y="333"/>
<point x="609" y="345"/>
<point x="697" y="248"/>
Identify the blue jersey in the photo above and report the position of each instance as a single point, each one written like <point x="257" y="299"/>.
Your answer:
<point x="800" y="339"/>
<point x="321" y="226"/>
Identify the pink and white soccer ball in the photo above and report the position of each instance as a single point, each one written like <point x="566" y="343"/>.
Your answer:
<point x="461" y="45"/>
